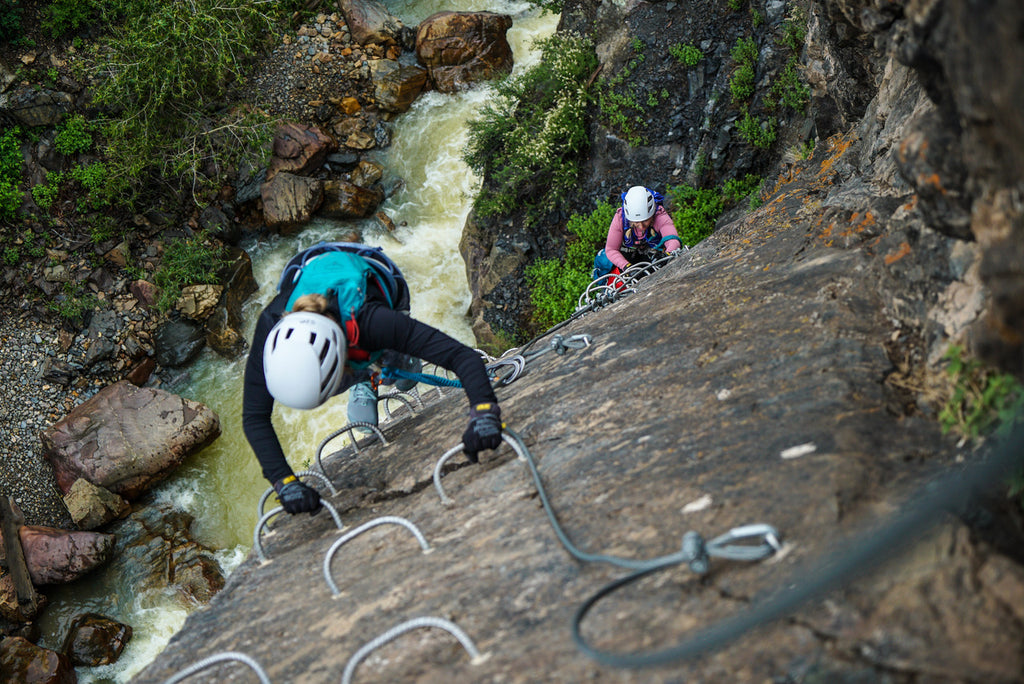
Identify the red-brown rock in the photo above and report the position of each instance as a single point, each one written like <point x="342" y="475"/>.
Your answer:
<point x="461" y="48"/>
<point x="127" y="438"/>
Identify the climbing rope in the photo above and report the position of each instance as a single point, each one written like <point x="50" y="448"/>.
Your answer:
<point x="401" y="629"/>
<point x="348" y="536"/>
<point x="219" y="658"/>
<point x="274" y="511"/>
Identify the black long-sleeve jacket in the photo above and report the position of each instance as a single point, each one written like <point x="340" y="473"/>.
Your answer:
<point x="380" y="328"/>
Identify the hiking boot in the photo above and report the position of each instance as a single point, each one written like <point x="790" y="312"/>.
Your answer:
<point x="362" y="405"/>
<point x="412" y="365"/>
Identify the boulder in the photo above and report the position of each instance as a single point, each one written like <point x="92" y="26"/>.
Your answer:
<point x="11" y="610"/>
<point x="197" y="574"/>
<point x="197" y="302"/>
<point x="178" y="342"/>
<point x="94" y="640"/>
<point x="24" y="662"/>
<point x="370" y="22"/>
<point x="367" y="174"/>
<point x="91" y="506"/>
<point x="56" y="556"/>
<point x="396" y="90"/>
<point x="127" y="438"/>
<point x="344" y="200"/>
<point x="299" y="149"/>
<point x="33" y="107"/>
<point x="461" y="48"/>
<point x="289" y="201"/>
<point x="144" y="292"/>
<point x="155" y="552"/>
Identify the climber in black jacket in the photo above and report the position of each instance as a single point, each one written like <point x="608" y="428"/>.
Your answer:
<point x="315" y="351"/>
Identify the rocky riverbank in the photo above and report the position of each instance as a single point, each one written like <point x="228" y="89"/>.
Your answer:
<point x="31" y="403"/>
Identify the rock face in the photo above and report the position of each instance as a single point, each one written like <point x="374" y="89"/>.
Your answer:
<point x="461" y="48"/>
<point x="127" y="438"/>
<point x="751" y="380"/>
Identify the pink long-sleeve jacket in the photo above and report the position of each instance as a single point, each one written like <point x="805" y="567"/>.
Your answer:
<point x="663" y="226"/>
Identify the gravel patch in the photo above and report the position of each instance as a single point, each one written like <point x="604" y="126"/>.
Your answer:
<point x="30" y="404"/>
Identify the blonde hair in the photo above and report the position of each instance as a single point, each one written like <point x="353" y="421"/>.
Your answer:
<point x="313" y="303"/>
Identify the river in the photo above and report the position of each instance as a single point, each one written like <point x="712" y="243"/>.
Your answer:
<point x="221" y="485"/>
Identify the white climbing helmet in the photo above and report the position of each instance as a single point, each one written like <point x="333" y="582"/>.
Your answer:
<point x="303" y="359"/>
<point x="638" y="204"/>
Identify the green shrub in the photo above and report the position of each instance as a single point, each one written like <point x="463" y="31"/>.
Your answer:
<point x="736" y="189"/>
<point x="983" y="401"/>
<point x="527" y="141"/>
<point x="742" y="81"/>
<point x="735" y="5"/>
<point x="186" y="261"/>
<point x="760" y="134"/>
<point x="694" y="211"/>
<point x="73" y="135"/>
<point x="556" y="284"/>
<point x="794" y="31"/>
<point x="72" y="302"/>
<point x="96" y="182"/>
<point x="65" y="16"/>
<point x="163" y="68"/>
<point x="789" y="89"/>
<point x="10" y="172"/>
<point x="10" y="20"/>
<point x="688" y="55"/>
<point x="46" y="193"/>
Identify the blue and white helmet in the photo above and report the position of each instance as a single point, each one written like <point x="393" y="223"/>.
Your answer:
<point x="304" y="359"/>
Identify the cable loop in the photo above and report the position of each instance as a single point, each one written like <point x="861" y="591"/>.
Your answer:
<point x="219" y="658"/>
<point x="407" y="626"/>
<point x="257" y="533"/>
<point x="348" y="536"/>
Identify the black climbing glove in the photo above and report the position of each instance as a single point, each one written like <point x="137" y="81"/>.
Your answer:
<point x="484" y="431"/>
<point x="296" y="497"/>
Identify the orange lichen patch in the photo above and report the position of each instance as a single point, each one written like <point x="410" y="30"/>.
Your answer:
<point x="837" y="147"/>
<point x="903" y="251"/>
<point x="931" y="180"/>
<point x="912" y="204"/>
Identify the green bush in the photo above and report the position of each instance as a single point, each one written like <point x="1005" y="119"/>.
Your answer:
<point x="10" y="172"/>
<point x="736" y="189"/>
<point x="742" y="81"/>
<point x="694" y="211"/>
<point x="73" y="135"/>
<point x="789" y="89"/>
<point x="65" y="16"/>
<point x="10" y="20"/>
<point x="186" y="261"/>
<point x="556" y="284"/>
<point x="688" y="55"/>
<point x="46" y="193"/>
<point x="760" y="134"/>
<point x="163" y="68"/>
<point x="95" y="180"/>
<point x="983" y="401"/>
<point x="527" y="141"/>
